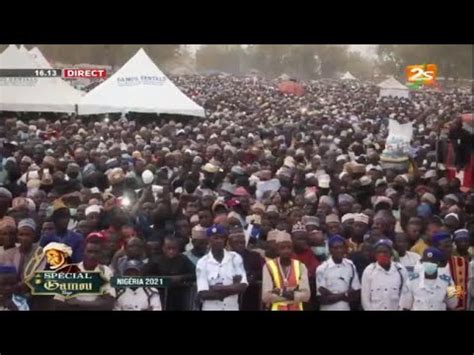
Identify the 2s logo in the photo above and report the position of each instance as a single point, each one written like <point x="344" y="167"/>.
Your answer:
<point x="425" y="74"/>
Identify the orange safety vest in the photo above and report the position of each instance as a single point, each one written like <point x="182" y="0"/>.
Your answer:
<point x="293" y="282"/>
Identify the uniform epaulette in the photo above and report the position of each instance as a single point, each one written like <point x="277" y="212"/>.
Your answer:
<point x="413" y="275"/>
<point x="150" y="291"/>
<point x="445" y="277"/>
<point x="120" y="292"/>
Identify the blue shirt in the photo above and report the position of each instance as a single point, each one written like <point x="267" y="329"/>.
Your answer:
<point x="73" y="239"/>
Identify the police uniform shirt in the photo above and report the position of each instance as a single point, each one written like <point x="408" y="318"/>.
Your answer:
<point x="381" y="289"/>
<point x="337" y="278"/>
<point x="409" y="260"/>
<point x="139" y="299"/>
<point x="210" y="272"/>
<point x="428" y="295"/>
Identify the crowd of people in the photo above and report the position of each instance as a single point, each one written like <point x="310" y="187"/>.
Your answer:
<point x="271" y="202"/>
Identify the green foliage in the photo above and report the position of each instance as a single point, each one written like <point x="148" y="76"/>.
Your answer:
<point x="454" y="61"/>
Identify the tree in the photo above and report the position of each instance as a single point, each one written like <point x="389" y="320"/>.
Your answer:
<point x="113" y="54"/>
<point x="225" y="58"/>
<point x="360" y="66"/>
<point x="454" y="61"/>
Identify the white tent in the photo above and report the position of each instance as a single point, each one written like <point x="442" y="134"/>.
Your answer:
<point x="348" y="76"/>
<point x="39" y="58"/>
<point x="391" y="87"/>
<point x="138" y="86"/>
<point x="11" y="47"/>
<point x="23" y="49"/>
<point x="33" y="94"/>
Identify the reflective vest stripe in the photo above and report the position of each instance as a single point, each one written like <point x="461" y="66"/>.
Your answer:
<point x="295" y="274"/>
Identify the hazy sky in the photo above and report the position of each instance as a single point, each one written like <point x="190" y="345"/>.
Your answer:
<point x="365" y="49"/>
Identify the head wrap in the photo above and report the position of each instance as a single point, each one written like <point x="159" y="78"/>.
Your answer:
<point x="310" y="221"/>
<point x="116" y="176"/>
<point x="428" y="197"/>
<point x="257" y="207"/>
<point x="198" y="232"/>
<point x="281" y="237"/>
<point x="272" y="235"/>
<point x="66" y="249"/>
<point x="27" y="222"/>
<point x="362" y="218"/>
<point x="332" y="218"/>
<point x="452" y="197"/>
<point x="324" y="181"/>
<point x="345" y="198"/>
<point x="365" y="180"/>
<point x="327" y="200"/>
<point x="452" y="215"/>
<point x="461" y="234"/>
<point x="210" y="168"/>
<point x="93" y="209"/>
<point x="348" y="217"/>
<point x="272" y="208"/>
<point x="382" y="199"/>
<point x="298" y="227"/>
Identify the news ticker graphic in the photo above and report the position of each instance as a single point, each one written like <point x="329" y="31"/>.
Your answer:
<point x="71" y="284"/>
<point x="66" y="284"/>
<point x="73" y="73"/>
<point x="139" y="281"/>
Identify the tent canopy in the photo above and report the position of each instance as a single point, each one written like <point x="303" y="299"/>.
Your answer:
<point x="139" y="86"/>
<point x="348" y="76"/>
<point x="391" y="87"/>
<point x="392" y="83"/>
<point x="39" y="58"/>
<point x="284" y="77"/>
<point x="33" y="94"/>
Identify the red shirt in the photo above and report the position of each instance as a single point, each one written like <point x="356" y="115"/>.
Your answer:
<point x="309" y="260"/>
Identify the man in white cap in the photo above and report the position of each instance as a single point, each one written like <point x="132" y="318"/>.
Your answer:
<point x="285" y="283"/>
<point x="20" y="255"/>
<point x="199" y="243"/>
<point x="92" y="214"/>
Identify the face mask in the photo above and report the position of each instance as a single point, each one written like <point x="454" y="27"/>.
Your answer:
<point x="72" y="212"/>
<point x="430" y="268"/>
<point x="383" y="260"/>
<point x="319" y="250"/>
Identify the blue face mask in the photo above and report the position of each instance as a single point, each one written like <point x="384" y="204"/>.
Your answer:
<point x="430" y="268"/>
<point x="319" y="250"/>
